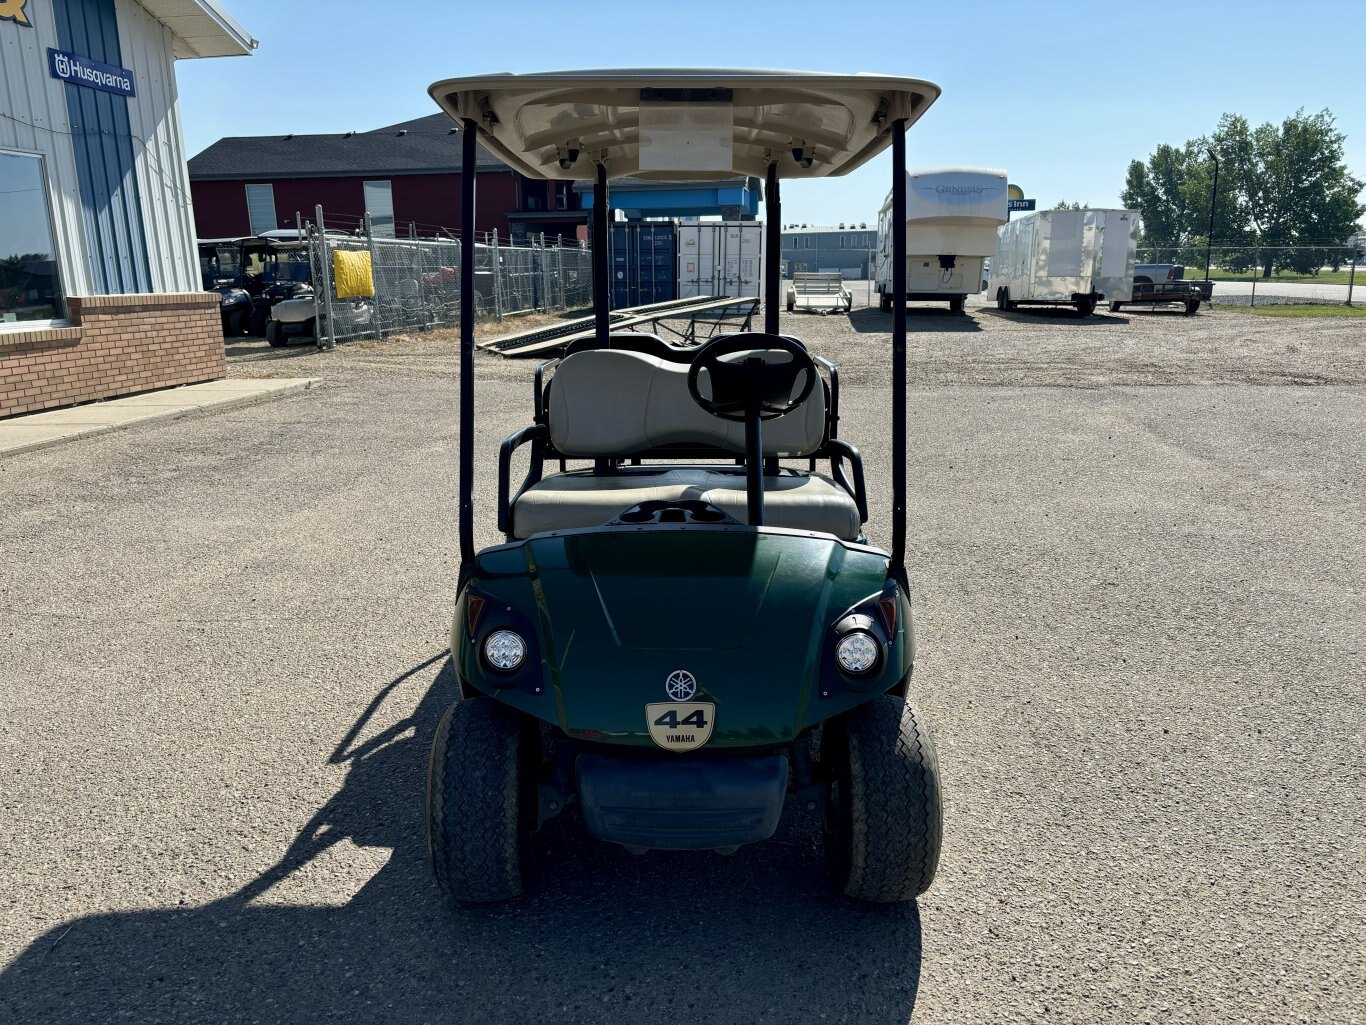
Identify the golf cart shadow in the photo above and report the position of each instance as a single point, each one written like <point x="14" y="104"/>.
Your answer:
<point x="923" y="319"/>
<point x="607" y="937"/>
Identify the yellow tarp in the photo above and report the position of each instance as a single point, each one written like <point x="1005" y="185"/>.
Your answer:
<point x="351" y="271"/>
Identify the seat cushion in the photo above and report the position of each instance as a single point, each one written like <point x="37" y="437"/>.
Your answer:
<point x="614" y="402"/>
<point x="798" y="501"/>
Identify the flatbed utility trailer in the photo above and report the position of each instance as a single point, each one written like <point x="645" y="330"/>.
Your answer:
<point x="1164" y="284"/>
<point x="822" y="290"/>
<point x="724" y="311"/>
<point x="1065" y="258"/>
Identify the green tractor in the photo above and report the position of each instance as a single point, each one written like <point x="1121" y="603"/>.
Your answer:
<point x="688" y="626"/>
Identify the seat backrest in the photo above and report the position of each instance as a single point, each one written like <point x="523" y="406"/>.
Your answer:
<point x="614" y="402"/>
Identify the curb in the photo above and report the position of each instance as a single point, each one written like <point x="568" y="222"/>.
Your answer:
<point x="190" y="409"/>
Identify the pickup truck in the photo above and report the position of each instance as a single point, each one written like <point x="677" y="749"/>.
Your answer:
<point x="1161" y="283"/>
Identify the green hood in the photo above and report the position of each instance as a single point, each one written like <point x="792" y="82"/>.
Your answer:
<point x="747" y="612"/>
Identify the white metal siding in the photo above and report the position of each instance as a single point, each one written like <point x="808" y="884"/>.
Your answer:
<point x="33" y="119"/>
<point x="159" y="150"/>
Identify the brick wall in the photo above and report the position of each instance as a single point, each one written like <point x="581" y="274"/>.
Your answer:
<point x="117" y="345"/>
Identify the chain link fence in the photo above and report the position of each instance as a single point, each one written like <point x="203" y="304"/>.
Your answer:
<point x="414" y="283"/>
<point x="1270" y="275"/>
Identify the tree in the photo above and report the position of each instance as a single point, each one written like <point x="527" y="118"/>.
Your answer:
<point x="1295" y="186"/>
<point x="1285" y="186"/>
<point x="1065" y="205"/>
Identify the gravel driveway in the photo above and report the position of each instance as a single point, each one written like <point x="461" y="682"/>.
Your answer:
<point x="1138" y="565"/>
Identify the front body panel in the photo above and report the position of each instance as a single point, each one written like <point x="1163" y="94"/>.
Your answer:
<point x="615" y="611"/>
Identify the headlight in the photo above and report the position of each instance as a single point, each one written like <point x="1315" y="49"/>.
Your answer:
<point x="857" y="652"/>
<point x="504" y="650"/>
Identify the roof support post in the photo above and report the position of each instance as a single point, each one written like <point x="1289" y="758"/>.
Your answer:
<point x="468" y="133"/>
<point x="898" y="229"/>
<point x="773" y="249"/>
<point x="602" y="285"/>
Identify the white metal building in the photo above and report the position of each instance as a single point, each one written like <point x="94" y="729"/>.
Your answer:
<point x="94" y="194"/>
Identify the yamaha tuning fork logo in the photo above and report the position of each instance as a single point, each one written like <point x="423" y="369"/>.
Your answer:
<point x="76" y="70"/>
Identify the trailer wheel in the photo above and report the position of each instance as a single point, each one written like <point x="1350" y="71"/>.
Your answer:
<point x="887" y="812"/>
<point x="956" y="304"/>
<point x="885" y="302"/>
<point x="1191" y="306"/>
<point x="1114" y="307"/>
<point x="1086" y="307"/>
<point x="791" y="305"/>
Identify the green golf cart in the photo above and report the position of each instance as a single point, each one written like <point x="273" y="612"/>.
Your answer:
<point x="686" y="625"/>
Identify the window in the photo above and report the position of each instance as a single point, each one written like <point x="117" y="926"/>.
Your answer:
<point x="562" y="195"/>
<point x="261" y="208"/>
<point x="379" y="204"/>
<point x="30" y="280"/>
<point x="806" y="241"/>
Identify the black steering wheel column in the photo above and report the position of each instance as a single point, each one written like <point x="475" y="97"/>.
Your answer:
<point x="752" y="377"/>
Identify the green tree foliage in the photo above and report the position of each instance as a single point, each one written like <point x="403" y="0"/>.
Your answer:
<point x="1065" y="205"/>
<point x="1285" y="186"/>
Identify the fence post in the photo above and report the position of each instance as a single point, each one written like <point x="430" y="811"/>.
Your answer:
<point x="1256" y="273"/>
<point x="374" y="278"/>
<point x="327" y="285"/>
<point x="1352" y="277"/>
<point x="497" y="278"/>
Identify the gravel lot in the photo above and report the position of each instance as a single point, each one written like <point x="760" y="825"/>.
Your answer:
<point x="1137" y="557"/>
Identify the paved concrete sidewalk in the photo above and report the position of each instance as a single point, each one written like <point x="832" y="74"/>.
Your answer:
<point x="39" y="430"/>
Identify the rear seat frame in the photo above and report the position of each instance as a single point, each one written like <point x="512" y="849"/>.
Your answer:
<point x="839" y="452"/>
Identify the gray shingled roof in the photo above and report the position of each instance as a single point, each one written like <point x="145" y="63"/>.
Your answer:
<point x="424" y="144"/>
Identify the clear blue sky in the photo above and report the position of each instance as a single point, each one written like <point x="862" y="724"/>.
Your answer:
<point x="1061" y="95"/>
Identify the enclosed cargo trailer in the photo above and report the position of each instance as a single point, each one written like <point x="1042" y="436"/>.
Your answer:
<point x="1065" y="258"/>
<point x="952" y="214"/>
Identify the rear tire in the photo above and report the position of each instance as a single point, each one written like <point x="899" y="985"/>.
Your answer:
<point x="1191" y="306"/>
<point x="1086" y="307"/>
<point x="888" y="818"/>
<point x="273" y="335"/>
<point x="1115" y="307"/>
<point x="886" y="302"/>
<point x="956" y="305"/>
<point x="481" y="801"/>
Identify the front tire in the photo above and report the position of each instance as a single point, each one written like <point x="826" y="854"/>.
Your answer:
<point x="273" y="335"/>
<point x="888" y="817"/>
<point x="481" y="801"/>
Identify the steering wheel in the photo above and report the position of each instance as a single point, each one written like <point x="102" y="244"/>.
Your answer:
<point x="743" y="374"/>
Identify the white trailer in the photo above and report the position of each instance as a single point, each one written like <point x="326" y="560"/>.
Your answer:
<point x="1065" y="258"/>
<point x="721" y="258"/>
<point x="952" y="214"/>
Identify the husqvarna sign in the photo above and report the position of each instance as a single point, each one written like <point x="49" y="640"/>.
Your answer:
<point x="78" y="70"/>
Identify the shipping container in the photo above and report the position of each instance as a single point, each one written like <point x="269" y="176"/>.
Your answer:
<point x="721" y="258"/>
<point x="644" y="261"/>
<point x="1065" y="258"/>
<point x="952" y="214"/>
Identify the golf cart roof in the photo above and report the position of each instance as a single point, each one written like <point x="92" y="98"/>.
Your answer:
<point x="682" y="124"/>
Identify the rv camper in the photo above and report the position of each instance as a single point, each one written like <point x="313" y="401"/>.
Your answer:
<point x="1065" y="258"/>
<point x="951" y="219"/>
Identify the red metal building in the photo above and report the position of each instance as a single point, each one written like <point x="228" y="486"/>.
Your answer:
<point x="405" y="176"/>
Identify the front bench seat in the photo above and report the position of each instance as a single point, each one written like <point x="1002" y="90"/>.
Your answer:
<point x="615" y="403"/>
<point x="798" y="501"/>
